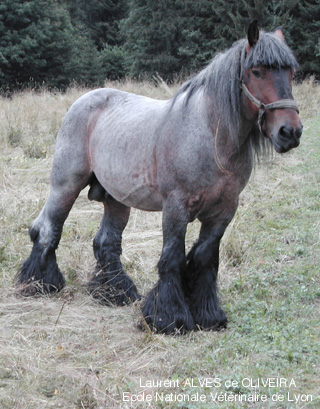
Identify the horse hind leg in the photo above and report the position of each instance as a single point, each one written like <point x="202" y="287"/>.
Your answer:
<point x="40" y="272"/>
<point x="110" y="283"/>
<point x="70" y="174"/>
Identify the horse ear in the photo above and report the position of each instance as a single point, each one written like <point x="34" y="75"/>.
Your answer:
<point x="279" y="33"/>
<point x="253" y="33"/>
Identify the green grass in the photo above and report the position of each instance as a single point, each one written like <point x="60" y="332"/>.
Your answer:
<point x="69" y="352"/>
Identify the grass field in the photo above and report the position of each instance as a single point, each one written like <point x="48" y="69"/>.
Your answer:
<point x="68" y="352"/>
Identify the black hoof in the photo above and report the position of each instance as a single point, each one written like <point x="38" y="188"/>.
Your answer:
<point x="166" y="311"/>
<point x="116" y="290"/>
<point x="212" y="325"/>
<point x="37" y="288"/>
<point x="210" y="319"/>
<point x="39" y="274"/>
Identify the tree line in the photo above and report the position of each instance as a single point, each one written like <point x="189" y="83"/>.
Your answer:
<point x="55" y="43"/>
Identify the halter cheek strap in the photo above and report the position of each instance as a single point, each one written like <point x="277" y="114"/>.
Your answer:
<point x="281" y="104"/>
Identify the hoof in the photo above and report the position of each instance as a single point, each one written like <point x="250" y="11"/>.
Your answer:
<point x="39" y="276"/>
<point x="210" y="319"/>
<point x="37" y="288"/>
<point x="113" y="291"/>
<point x="166" y="311"/>
<point x="214" y="325"/>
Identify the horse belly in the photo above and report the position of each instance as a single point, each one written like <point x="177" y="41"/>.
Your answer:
<point x="122" y="150"/>
<point x="128" y="185"/>
<point x="143" y="197"/>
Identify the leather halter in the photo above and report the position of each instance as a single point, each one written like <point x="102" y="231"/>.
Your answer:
<point x="280" y="104"/>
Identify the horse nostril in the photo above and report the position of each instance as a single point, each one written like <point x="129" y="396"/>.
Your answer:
<point x="286" y="131"/>
<point x="298" y="132"/>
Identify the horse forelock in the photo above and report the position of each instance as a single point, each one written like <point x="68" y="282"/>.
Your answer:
<point x="222" y="78"/>
<point x="271" y="51"/>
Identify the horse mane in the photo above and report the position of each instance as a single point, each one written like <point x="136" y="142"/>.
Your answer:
<point x="222" y="79"/>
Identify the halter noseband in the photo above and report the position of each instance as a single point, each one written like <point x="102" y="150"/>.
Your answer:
<point x="281" y="104"/>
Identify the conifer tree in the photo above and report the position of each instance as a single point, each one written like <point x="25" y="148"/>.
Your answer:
<point x="304" y="34"/>
<point x="198" y="23"/>
<point x="152" y="32"/>
<point x="35" y="43"/>
<point x="55" y="42"/>
<point x="100" y="18"/>
<point x="299" y="19"/>
<point x="97" y="23"/>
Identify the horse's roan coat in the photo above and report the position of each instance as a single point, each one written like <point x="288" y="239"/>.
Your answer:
<point x="189" y="157"/>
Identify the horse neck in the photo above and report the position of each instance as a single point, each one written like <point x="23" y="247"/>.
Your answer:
<point x="245" y="131"/>
<point x="233" y="138"/>
<point x="232" y="153"/>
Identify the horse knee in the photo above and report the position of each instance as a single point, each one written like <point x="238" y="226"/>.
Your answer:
<point x="207" y="253"/>
<point x="171" y="262"/>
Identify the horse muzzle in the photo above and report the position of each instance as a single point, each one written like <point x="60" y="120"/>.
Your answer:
<point x="286" y="129"/>
<point x="287" y="138"/>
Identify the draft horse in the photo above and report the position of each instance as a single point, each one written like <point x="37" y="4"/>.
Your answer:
<point x="189" y="157"/>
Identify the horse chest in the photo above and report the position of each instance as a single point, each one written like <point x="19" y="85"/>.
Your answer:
<point x="219" y="198"/>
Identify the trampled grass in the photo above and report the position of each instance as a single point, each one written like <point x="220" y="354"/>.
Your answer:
<point x="67" y="351"/>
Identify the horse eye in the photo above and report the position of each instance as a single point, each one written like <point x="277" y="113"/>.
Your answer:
<point x="256" y="73"/>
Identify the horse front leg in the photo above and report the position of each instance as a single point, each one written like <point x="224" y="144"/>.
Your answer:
<point x="200" y="279"/>
<point x="165" y="309"/>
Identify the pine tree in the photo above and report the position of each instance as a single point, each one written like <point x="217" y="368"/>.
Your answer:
<point x="152" y="32"/>
<point x="304" y="34"/>
<point x="100" y="18"/>
<point x="35" y="43"/>
<point x="55" y="42"/>
<point x="170" y="37"/>
<point x="235" y="16"/>
<point x="97" y="24"/>
<point x="300" y="21"/>
<point x="198" y="22"/>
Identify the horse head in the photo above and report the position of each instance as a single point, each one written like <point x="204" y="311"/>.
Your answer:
<point x="267" y="90"/>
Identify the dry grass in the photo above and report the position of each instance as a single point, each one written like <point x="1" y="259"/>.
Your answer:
<point x="69" y="352"/>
